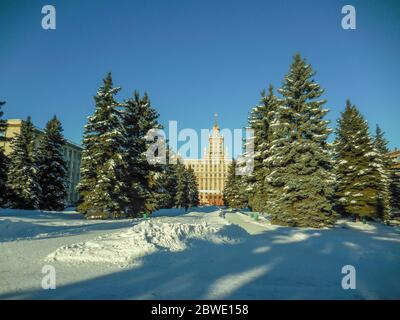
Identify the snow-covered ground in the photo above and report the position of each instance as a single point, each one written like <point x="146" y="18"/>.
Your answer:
<point x="205" y="254"/>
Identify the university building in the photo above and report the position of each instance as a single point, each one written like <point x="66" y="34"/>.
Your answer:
<point x="395" y="155"/>
<point x="72" y="155"/>
<point x="212" y="170"/>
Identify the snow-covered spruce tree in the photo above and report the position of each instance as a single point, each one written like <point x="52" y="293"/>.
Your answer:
<point x="381" y="146"/>
<point x="101" y="182"/>
<point x="193" y="188"/>
<point x="22" y="175"/>
<point x="182" y="199"/>
<point x="3" y="160"/>
<point x="300" y="183"/>
<point x="52" y="170"/>
<point x="234" y="193"/>
<point x="260" y="120"/>
<point x="229" y="184"/>
<point x="360" y="173"/>
<point x="167" y="183"/>
<point x="394" y="189"/>
<point x="244" y="177"/>
<point x="139" y="175"/>
<point x="242" y="198"/>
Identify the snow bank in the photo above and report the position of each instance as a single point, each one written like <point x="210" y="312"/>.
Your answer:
<point x="128" y="247"/>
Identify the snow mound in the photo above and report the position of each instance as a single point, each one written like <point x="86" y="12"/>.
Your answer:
<point x="129" y="246"/>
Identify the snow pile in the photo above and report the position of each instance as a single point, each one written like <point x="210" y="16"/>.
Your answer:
<point x="128" y="247"/>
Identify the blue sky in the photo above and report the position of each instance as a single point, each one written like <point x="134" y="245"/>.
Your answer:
<point x="196" y="58"/>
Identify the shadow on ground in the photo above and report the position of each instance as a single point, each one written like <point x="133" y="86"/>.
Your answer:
<point x="31" y="225"/>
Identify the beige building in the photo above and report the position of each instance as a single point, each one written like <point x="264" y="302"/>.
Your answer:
<point x="211" y="171"/>
<point x="395" y="155"/>
<point x="72" y="154"/>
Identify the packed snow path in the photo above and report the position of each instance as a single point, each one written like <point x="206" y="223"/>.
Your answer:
<point x="205" y="254"/>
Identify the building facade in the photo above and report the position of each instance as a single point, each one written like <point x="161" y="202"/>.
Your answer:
<point x="72" y="155"/>
<point x="211" y="171"/>
<point x="395" y="155"/>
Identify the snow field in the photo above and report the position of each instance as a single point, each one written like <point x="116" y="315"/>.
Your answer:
<point x="204" y="254"/>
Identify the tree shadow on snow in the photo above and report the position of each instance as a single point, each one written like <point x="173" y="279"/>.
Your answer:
<point x="37" y="214"/>
<point x="25" y="230"/>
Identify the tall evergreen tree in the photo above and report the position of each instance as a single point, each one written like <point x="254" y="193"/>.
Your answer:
<point x="234" y="193"/>
<point x="139" y="174"/>
<point x="193" y="188"/>
<point x="52" y="170"/>
<point x="182" y="199"/>
<point x="360" y="173"/>
<point x="167" y="182"/>
<point x="3" y="160"/>
<point x="101" y="186"/>
<point x="380" y="143"/>
<point x="260" y="121"/>
<point x="394" y="189"/>
<point x="22" y="175"/>
<point x="299" y="183"/>
<point x="388" y="192"/>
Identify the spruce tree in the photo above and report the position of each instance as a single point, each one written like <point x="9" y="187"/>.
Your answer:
<point x="139" y="174"/>
<point x="381" y="144"/>
<point x="167" y="182"/>
<point x="388" y="171"/>
<point x="193" y="188"/>
<point x="22" y="175"/>
<point x="186" y="191"/>
<point x="233" y="194"/>
<point x="3" y="160"/>
<point x="101" y="186"/>
<point x="394" y="189"/>
<point x="260" y="121"/>
<point x="360" y="173"/>
<point x="52" y="170"/>
<point x="182" y="199"/>
<point x="299" y="182"/>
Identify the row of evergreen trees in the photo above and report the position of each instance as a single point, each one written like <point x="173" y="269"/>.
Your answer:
<point x="34" y="175"/>
<point x="117" y="180"/>
<point x="301" y="179"/>
<point x="178" y="186"/>
<point x="3" y="159"/>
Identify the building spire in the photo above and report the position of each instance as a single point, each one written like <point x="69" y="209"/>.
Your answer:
<point x="215" y="120"/>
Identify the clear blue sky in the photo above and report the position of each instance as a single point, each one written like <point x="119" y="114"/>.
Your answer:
<point x="196" y="57"/>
